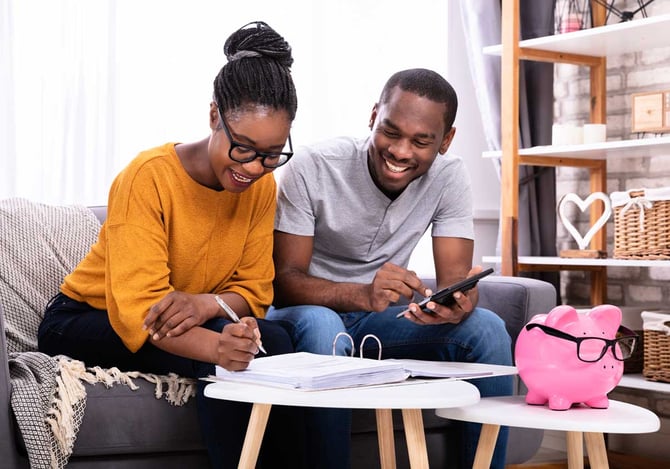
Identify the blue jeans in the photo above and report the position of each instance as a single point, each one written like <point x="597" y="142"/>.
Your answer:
<point x="481" y="338"/>
<point x="81" y="332"/>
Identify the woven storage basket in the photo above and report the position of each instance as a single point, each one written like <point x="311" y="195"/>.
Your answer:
<point x="642" y="224"/>
<point x="656" y="328"/>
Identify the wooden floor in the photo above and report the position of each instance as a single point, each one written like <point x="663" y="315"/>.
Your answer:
<point x="616" y="461"/>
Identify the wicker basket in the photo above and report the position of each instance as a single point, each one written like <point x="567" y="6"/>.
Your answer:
<point x="656" y="328"/>
<point x="642" y="224"/>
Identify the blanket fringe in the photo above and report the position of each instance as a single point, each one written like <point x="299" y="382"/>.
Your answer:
<point x="174" y="388"/>
<point x="65" y="413"/>
<point x="178" y="390"/>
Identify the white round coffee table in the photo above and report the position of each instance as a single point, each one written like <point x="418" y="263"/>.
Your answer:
<point x="410" y="396"/>
<point x="579" y="421"/>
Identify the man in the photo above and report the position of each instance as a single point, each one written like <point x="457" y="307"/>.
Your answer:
<point x="349" y="214"/>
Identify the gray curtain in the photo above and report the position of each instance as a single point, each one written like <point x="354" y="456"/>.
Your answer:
<point x="537" y="185"/>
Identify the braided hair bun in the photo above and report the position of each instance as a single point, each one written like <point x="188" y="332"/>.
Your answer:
<point x="257" y="39"/>
<point x="258" y="71"/>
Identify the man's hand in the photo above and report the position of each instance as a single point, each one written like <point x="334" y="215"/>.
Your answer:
<point x="238" y="344"/>
<point x="176" y="313"/>
<point x="464" y="304"/>
<point x="390" y="283"/>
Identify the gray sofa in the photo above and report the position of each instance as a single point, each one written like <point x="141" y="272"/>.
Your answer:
<point x="123" y="428"/>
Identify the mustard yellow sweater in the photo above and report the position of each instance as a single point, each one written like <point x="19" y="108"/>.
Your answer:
<point x="166" y="232"/>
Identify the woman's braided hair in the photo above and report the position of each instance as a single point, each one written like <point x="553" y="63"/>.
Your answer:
<point x="258" y="71"/>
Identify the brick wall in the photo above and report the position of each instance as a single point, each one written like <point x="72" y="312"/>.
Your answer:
<point x="637" y="288"/>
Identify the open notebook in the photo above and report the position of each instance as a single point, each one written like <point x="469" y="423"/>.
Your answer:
<point x="308" y="371"/>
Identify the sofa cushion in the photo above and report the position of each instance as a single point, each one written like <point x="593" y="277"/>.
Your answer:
<point x="516" y="300"/>
<point x="119" y="420"/>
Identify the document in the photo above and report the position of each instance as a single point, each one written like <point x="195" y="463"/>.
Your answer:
<point x="303" y="370"/>
<point x="308" y="371"/>
<point x="441" y="369"/>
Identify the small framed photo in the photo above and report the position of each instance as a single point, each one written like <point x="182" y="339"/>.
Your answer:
<point x="651" y="112"/>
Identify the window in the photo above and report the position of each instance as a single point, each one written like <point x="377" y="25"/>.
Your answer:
<point x="93" y="83"/>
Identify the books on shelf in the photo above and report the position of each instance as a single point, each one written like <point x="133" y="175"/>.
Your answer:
<point x="308" y="371"/>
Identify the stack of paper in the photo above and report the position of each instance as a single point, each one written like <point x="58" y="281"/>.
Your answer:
<point x="310" y="371"/>
<point x="304" y="370"/>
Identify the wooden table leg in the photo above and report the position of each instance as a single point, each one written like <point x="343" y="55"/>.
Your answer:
<point x="416" y="438"/>
<point x="254" y="436"/>
<point x="595" y="448"/>
<point x="575" y="450"/>
<point x="486" y="446"/>
<point x="385" y="437"/>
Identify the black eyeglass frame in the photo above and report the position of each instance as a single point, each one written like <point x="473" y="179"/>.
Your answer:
<point x="256" y="153"/>
<point x="626" y="334"/>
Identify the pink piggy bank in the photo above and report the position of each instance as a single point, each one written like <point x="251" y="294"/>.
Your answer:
<point x="563" y="360"/>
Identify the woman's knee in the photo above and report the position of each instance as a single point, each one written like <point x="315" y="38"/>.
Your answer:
<point x="276" y="339"/>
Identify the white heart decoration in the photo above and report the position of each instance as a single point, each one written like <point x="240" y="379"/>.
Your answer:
<point x="584" y="241"/>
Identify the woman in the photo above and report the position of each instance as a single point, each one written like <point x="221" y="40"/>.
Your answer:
<point x="187" y="223"/>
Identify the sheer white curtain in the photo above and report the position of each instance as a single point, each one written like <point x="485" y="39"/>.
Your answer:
<point x="85" y="85"/>
<point x="7" y="132"/>
<point x="59" y="98"/>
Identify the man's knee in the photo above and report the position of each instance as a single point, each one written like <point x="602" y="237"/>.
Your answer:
<point x="305" y="315"/>
<point x="494" y="342"/>
<point x="313" y="328"/>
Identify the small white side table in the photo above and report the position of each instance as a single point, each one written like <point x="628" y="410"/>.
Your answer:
<point x="580" y="421"/>
<point x="410" y="396"/>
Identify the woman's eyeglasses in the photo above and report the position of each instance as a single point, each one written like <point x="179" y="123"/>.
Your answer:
<point x="242" y="153"/>
<point x="592" y="349"/>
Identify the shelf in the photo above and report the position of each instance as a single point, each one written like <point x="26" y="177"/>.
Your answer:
<point x="638" y="148"/>
<point x="565" y="262"/>
<point x="637" y="381"/>
<point x="610" y="40"/>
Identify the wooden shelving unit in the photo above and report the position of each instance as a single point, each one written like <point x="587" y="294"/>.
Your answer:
<point x="547" y="263"/>
<point x="590" y="48"/>
<point x="637" y="381"/>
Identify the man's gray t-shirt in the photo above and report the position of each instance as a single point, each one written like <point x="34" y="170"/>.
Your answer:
<point x="327" y="192"/>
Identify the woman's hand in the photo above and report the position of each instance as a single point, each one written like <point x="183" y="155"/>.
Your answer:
<point x="238" y="344"/>
<point x="178" y="312"/>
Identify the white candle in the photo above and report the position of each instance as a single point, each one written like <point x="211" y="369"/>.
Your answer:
<point x="558" y="136"/>
<point x="595" y="133"/>
<point x="573" y="135"/>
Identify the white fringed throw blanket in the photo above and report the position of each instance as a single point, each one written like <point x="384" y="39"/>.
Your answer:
<point x="39" y="245"/>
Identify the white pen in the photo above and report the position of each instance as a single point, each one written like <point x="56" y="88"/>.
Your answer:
<point x="425" y="300"/>
<point x="233" y="315"/>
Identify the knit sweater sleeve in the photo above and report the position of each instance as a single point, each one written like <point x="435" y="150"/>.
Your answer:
<point x="137" y="274"/>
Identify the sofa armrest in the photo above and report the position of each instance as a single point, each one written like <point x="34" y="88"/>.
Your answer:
<point x="516" y="300"/>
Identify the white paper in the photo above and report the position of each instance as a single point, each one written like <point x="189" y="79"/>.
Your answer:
<point x="304" y="370"/>
<point x="308" y="371"/>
